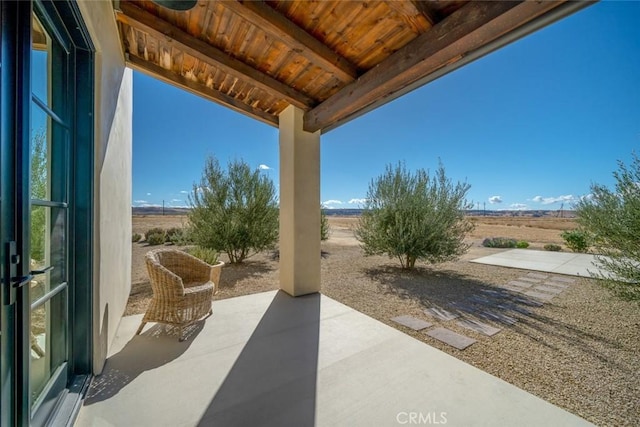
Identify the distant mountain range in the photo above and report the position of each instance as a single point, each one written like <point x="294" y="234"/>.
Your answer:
<point x="358" y="212"/>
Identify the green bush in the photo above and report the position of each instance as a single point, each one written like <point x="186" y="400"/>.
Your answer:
<point x="180" y="236"/>
<point x="576" y="240"/>
<point x="136" y="237"/>
<point x="414" y="217"/>
<point x="522" y="244"/>
<point x="499" y="242"/>
<point x="155" y="239"/>
<point x="156" y="230"/>
<point x="207" y="255"/>
<point x="234" y="211"/>
<point x="612" y="217"/>
<point x="552" y="247"/>
<point x="39" y="175"/>
<point x="325" y="229"/>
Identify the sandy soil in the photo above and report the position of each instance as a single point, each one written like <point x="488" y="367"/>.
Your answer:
<point x="581" y="351"/>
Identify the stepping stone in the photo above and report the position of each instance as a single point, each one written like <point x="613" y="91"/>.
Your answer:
<point x="529" y="279"/>
<point x="556" y="284"/>
<point x="449" y="337"/>
<point x="539" y="295"/>
<point x="516" y="308"/>
<point x="520" y="284"/>
<point x="549" y="289"/>
<point x="441" y="314"/>
<point x="463" y="307"/>
<point x="480" y="327"/>
<point x="530" y="302"/>
<point x="538" y="275"/>
<point x="498" y="317"/>
<point x="497" y="293"/>
<point x="514" y="288"/>
<point x="411" y="322"/>
<point x="478" y="299"/>
<point x="562" y="279"/>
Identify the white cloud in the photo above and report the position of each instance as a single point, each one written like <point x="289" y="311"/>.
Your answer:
<point x="331" y="202"/>
<point x="568" y="198"/>
<point x="495" y="199"/>
<point x="184" y="192"/>
<point x="518" y="206"/>
<point x="140" y="201"/>
<point x="264" y="167"/>
<point x="148" y="194"/>
<point x="357" y="201"/>
<point x="176" y="200"/>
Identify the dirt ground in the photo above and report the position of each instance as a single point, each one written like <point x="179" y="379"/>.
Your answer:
<point x="581" y="351"/>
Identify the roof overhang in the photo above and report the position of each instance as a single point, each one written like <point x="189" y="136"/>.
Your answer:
<point x="336" y="60"/>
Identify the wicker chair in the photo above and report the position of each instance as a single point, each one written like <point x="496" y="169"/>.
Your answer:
<point x="182" y="289"/>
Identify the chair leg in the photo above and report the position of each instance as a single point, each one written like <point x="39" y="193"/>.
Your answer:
<point x="140" y="328"/>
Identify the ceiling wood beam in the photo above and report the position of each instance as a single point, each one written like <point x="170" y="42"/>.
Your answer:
<point x="467" y="29"/>
<point x="409" y="12"/>
<point x="423" y="7"/>
<point x="138" y="18"/>
<point x="199" y="89"/>
<point x="280" y="27"/>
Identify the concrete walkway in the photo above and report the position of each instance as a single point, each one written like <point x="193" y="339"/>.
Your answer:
<point x="571" y="264"/>
<point x="272" y="360"/>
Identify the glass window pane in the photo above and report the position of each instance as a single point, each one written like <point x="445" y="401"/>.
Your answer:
<point x="40" y="61"/>
<point x="47" y="338"/>
<point x="48" y="247"/>
<point x="40" y="153"/>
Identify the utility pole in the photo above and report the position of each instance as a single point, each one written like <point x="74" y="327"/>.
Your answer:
<point x="163" y="208"/>
<point x="484" y="208"/>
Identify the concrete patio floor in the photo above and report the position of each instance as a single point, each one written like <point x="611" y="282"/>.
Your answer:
<point x="571" y="264"/>
<point x="272" y="360"/>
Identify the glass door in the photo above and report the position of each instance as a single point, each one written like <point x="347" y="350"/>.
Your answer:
<point x="46" y="193"/>
<point x="48" y="218"/>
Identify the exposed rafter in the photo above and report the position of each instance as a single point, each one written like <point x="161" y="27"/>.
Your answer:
<point x="462" y="32"/>
<point x="412" y="15"/>
<point x="278" y="26"/>
<point x="198" y="89"/>
<point x="161" y="29"/>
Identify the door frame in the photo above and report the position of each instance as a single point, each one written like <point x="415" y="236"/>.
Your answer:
<point x="15" y="104"/>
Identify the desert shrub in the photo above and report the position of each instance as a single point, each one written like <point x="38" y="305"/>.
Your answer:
<point x="38" y="191"/>
<point x="325" y="229"/>
<point x="521" y="244"/>
<point x="576" y="240"/>
<point x="136" y="237"/>
<point x="207" y="255"/>
<point x="499" y="242"/>
<point x="180" y="236"/>
<point x="155" y="239"/>
<point x="414" y="217"/>
<point x="612" y="217"/>
<point x="234" y="211"/>
<point x="156" y="230"/>
<point x="552" y="247"/>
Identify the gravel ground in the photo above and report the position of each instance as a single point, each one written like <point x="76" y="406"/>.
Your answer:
<point x="581" y="351"/>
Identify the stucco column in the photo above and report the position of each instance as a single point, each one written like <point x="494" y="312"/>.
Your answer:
<point x="299" y="205"/>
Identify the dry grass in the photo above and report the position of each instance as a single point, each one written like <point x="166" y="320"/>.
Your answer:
<point x="581" y="351"/>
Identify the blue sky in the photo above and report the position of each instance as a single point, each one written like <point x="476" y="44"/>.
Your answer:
<point x="532" y="125"/>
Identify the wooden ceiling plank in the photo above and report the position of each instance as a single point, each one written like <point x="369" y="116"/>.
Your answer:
<point x="467" y="29"/>
<point x="149" y="23"/>
<point x="199" y="89"/>
<point x="423" y="7"/>
<point x="279" y="26"/>
<point x="410" y="13"/>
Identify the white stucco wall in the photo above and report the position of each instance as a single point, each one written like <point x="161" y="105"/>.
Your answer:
<point x="112" y="176"/>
